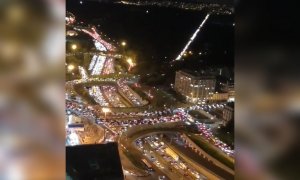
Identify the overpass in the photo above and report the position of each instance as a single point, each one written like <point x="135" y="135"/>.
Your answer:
<point x="128" y="137"/>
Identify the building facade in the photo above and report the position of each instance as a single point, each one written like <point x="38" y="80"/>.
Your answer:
<point x="228" y="88"/>
<point x="197" y="88"/>
<point x="219" y="97"/>
<point x="228" y="113"/>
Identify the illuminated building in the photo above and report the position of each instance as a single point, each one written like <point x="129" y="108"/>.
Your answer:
<point x="219" y="97"/>
<point x="196" y="87"/>
<point x="228" y="88"/>
<point x="228" y="112"/>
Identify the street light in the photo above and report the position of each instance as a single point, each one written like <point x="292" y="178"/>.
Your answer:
<point x="123" y="43"/>
<point x="74" y="46"/>
<point x="131" y="64"/>
<point x="129" y="60"/>
<point x="71" y="67"/>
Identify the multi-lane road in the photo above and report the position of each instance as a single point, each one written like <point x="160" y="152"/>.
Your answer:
<point x="149" y="142"/>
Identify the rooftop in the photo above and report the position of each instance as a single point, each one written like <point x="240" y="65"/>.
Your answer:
<point x="230" y="104"/>
<point x="100" y="161"/>
<point x="197" y="74"/>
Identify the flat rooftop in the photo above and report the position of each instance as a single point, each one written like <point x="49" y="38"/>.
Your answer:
<point x="197" y="74"/>
<point x="94" y="162"/>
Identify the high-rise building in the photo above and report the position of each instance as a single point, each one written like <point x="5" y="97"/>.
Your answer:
<point x="219" y="96"/>
<point x="196" y="87"/>
<point x="94" y="161"/>
<point x="228" y="112"/>
<point x="228" y="88"/>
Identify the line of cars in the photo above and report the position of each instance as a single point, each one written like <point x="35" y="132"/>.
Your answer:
<point x="134" y="98"/>
<point x="96" y="93"/>
<point x="175" y="163"/>
<point x="112" y="96"/>
<point x="208" y="135"/>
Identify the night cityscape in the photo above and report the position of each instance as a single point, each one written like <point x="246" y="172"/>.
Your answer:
<point x="152" y="82"/>
<point x="149" y="90"/>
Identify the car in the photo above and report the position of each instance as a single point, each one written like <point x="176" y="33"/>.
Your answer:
<point x="161" y="177"/>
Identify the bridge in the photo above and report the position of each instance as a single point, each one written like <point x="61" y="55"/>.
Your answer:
<point x="192" y="38"/>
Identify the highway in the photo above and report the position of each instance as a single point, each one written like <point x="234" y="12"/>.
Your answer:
<point x="182" y="149"/>
<point x="146" y="134"/>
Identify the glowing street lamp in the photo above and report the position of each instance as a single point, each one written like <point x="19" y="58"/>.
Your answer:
<point x="123" y="43"/>
<point x="130" y="62"/>
<point x="74" y="46"/>
<point x="71" y="67"/>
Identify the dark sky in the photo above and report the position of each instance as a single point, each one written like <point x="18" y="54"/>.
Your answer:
<point x="229" y="2"/>
<point x="163" y="32"/>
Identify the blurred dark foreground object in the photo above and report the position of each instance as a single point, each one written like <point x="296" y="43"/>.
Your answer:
<point x="268" y="90"/>
<point x="91" y="162"/>
<point x="32" y="50"/>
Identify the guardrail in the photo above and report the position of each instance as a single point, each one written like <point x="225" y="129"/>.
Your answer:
<point x="201" y="152"/>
